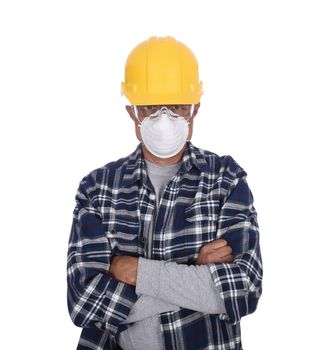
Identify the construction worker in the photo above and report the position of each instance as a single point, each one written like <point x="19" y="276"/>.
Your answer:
<point x="164" y="246"/>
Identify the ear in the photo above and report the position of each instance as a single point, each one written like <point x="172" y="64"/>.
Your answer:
<point x="131" y="112"/>
<point x="196" y="108"/>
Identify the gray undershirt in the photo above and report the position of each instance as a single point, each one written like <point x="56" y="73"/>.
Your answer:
<point x="165" y="286"/>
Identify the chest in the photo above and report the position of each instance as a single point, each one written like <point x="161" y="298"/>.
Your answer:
<point x="185" y="219"/>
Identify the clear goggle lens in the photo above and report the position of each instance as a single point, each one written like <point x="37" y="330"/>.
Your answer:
<point x="174" y="111"/>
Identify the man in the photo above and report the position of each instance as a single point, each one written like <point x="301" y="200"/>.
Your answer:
<point x="164" y="247"/>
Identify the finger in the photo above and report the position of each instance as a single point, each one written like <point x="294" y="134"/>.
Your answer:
<point x="216" y="256"/>
<point x="218" y="243"/>
<point x="228" y="258"/>
<point x="219" y="260"/>
<point x="223" y="251"/>
<point x="213" y="258"/>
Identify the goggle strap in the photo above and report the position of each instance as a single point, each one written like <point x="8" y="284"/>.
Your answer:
<point x="135" y="110"/>
<point x="192" y="110"/>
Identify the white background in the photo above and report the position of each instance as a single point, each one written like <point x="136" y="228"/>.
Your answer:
<point x="264" y="69"/>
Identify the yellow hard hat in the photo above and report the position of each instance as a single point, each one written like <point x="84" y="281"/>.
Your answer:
<point x="161" y="70"/>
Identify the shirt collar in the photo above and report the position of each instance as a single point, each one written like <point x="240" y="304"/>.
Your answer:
<point x="136" y="168"/>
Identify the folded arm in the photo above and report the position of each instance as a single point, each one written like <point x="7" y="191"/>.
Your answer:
<point x="94" y="297"/>
<point x="239" y="283"/>
<point x="147" y="306"/>
<point x="167" y="286"/>
<point x="188" y="286"/>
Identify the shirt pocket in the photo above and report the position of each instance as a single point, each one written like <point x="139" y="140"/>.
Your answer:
<point x="123" y="235"/>
<point x="201" y="221"/>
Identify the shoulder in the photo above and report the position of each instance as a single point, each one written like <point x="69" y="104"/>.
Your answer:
<point x="222" y="165"/>
<point x="103" y="175"/>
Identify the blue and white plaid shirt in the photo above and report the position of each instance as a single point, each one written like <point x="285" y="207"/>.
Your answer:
<point x="207" y="199"/>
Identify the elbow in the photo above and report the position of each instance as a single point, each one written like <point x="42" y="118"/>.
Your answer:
<point x="80" y="321"/>
<point x="75" y="316"/>
<point x="75" y="311"/>
<point x="77" y="321"/>
<point x="253" y="299"/>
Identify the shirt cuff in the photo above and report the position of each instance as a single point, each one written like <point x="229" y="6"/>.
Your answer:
<point x="148" y="277"/>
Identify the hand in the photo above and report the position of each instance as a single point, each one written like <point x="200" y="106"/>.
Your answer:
<point x="217" y="251"/>
<point x="124" y="268"/>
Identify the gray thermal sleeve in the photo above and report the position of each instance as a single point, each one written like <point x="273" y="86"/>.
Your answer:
<point x="188" y="286"/>
<point x="147" y="306"/>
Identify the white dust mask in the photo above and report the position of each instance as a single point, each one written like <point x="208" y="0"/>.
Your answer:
<point x="164" y="133"/>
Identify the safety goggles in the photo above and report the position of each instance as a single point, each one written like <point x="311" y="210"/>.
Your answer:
<point x="152" y="111"/>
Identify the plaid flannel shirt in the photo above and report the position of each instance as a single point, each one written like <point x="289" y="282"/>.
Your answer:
<point x="207" y="199"/>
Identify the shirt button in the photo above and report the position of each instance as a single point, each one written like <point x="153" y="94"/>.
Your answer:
<point x="113" y="230"/>
<point x="142" y="241"/>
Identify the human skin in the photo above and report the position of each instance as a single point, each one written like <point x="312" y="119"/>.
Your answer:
<point x="124" y="268"/>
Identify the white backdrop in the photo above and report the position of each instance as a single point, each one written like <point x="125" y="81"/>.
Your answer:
<point x="264" y="69"/>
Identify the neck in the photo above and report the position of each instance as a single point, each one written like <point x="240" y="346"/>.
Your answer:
<point x="162" y="161"/>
